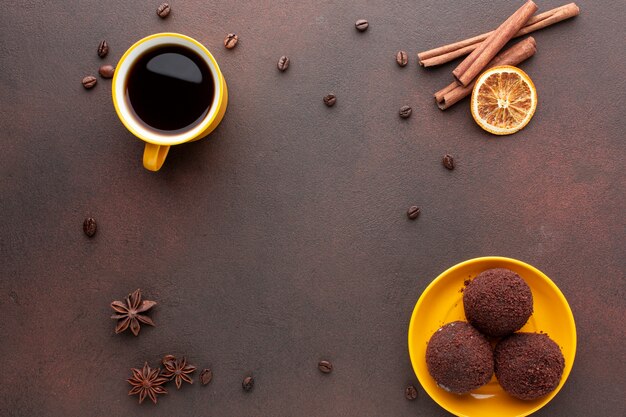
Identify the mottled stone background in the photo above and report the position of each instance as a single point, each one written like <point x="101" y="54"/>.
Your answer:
<point x="283" y="238"/>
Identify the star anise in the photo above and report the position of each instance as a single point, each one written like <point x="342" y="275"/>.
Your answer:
<point x="147" y="383"/>
<point x="129" y="312"/>
<point x="177" y="369"/>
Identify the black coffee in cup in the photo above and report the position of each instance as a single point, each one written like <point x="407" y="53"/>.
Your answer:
<point x="170" y="89"/>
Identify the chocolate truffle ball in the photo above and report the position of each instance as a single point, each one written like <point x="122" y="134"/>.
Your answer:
<point x="459" y="358"/>
<point x="528" y="365"/>
<point x="497" y="302"/>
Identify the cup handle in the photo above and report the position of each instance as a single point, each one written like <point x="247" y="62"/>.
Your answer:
<point x="154" y="156"/>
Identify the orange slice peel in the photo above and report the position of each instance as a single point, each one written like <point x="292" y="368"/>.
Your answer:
<point x="504" y="99"/>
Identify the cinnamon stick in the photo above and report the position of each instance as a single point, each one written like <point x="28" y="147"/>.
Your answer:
<point x="489" y="48"/>
<point x="453" y="93"/>
<point x="447" y="53"/>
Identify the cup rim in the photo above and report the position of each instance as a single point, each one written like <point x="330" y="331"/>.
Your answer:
<point x="145" y="134"/>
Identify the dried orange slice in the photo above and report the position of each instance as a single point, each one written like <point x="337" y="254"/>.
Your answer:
<point x="504" y="100"/>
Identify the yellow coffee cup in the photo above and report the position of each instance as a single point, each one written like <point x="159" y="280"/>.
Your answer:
<point x="158" y="140"/>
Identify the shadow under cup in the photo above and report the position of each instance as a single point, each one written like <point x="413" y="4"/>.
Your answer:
<point x="167" y="90"/>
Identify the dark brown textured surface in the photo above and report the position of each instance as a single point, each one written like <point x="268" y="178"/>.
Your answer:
<point x="528" y="365"/>
<point x="497" y="302"/>
<point x="459" y="358"/>
<point x="283" y="239"/>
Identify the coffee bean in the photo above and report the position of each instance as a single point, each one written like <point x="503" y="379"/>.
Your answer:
<point x="231" y="41"/>
<point x="283" y="63"/>
<point x="89" y="226"/>
<point x="206" y="376"/>
<point x="89" y="82"/>
<point x="325" y="367"/>
<point x="402" y="58"/>
<point x="103" y="49"/>
<point x="248" y="383"/>
<point x="413" y="212"/>
<point x="405" y="112"/>
<point x="106" y="71"/>
<point x="448" y="162"/>
<point x="330" y="100"/>
<point x="163" y="10"/>
<point x="361" y="25"/>
<point x="410" y="392"/>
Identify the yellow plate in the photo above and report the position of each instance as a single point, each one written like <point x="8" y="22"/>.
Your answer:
<point x="442" y="302"/>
